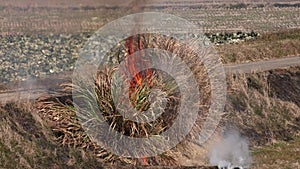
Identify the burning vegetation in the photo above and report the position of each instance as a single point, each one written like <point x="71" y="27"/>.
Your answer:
<point x="140" y="89"/>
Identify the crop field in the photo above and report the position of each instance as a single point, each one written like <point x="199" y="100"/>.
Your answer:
<point x="51" y="17"/>
<point x="261" y="20"/>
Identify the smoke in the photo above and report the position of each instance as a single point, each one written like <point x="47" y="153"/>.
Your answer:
<point x="231" y="151"/>
<point x="137" y="5"/>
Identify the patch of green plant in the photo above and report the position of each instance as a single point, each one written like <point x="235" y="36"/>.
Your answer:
<point x="238" y="101"/>
<point x="278" y="155"/>
<point x="254" y="83"/>
<point x="257" y="109"/>
<point x="6" y="157"/>
<point x="238" y="6"/>
<point x="232" y="57"/>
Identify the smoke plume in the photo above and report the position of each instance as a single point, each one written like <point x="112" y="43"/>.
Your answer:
<point x="231" y="151"/>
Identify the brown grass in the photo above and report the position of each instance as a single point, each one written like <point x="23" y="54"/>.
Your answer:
<point x="71" y="17"/>
<point x="269" y="45"/>
<point x="58" y="140"/>
<point x="66" y="126"/>
<point x="278" y="155"/>
<point x="26" y="143"/>
<point x="253" y="105"/>
<point x="3" y="87"/>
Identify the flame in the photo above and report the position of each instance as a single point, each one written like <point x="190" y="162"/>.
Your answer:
<point x="134" y="44"/>
<point x="144" y="161"/>
<point x="134" y="64"/>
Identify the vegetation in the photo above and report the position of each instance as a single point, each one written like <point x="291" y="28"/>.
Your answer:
<point x="232" y="38"/>
<point x="66" y="126"/>
<point x="27" y="143"/>
<point x="254" y="105"/>
<point x="278" y="155"/>
<point x="269" y="45"/>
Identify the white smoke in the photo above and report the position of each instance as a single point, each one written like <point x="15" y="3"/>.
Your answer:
<point x="231" y="151"/>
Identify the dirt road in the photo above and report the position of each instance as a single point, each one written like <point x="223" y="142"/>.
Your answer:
<point x="33" y="89"/>
<point x="262" y="66"/>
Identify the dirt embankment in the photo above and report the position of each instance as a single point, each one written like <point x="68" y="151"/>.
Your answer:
<point x="285" y="85"/>
<point x="265" y="106"/>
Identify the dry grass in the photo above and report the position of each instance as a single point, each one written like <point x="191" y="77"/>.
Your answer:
<point x="278" y="155"/>
<point x="3" y="87"/>
<point x="70" y="17"/>
<point x="269" y="45"/>
<point x="272" y="122"/>
<point x="26" y="143"/>
<point x="255" y="107"/>
<point x="65" y="123"/>
<point x="253" y="102"/>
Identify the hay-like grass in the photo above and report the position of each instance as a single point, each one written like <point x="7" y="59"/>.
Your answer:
<point x="70" y="132"/>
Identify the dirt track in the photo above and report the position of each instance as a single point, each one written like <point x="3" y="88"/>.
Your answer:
<point x="33" y="89"/>
<point x="261" y="66"/>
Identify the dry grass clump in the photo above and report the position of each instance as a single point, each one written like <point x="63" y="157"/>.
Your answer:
<point x="140" y="100"/>
<point x="60" y="116"/>
<point x="167" y="85"/>
<point x="254" y="107"/>
<point x="66" y="126"/>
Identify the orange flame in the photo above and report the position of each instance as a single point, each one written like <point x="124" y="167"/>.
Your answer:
<point x="144" y="161"/>
<point x="134" y="44"/>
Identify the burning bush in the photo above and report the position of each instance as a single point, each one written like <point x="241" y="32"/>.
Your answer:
<point x="141" y="90"/>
